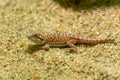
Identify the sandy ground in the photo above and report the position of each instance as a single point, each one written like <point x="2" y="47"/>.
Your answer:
<point x="98" y="62"/>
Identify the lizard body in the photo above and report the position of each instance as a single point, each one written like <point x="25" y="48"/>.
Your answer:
<point x="62" y="40"/>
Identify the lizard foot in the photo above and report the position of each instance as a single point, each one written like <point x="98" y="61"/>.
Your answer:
<point x="73" y="50"/>
<point x="46" y="47"/>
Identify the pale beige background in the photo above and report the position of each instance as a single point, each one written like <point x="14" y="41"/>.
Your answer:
<point x="97" y="62"/>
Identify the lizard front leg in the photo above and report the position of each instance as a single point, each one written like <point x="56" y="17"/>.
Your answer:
<point x="46" y="47"/>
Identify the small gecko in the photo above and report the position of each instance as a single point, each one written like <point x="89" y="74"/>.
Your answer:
<point x="62" y="40"/>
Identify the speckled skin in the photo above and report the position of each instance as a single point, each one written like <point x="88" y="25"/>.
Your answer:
<point x="62" y="40"/>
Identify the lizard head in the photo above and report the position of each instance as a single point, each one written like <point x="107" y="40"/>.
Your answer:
<point x="36" y="37"/>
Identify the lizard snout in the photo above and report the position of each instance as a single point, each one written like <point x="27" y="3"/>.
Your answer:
<point x="28" y="35"/>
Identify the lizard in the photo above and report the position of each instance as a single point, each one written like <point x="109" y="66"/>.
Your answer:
<point x="62" y="40"/>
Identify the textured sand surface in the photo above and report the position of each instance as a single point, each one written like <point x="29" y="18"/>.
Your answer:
<point x="99" y="62"/>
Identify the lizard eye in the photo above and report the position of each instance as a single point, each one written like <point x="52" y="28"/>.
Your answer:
<point x="39" y="37"/>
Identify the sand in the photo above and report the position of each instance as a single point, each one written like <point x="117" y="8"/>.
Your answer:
<point x="20" y="60"/>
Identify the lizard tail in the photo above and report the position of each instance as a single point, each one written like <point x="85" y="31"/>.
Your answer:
<point x="94" y="41"/>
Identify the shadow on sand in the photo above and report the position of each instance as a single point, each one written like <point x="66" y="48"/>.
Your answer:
<point x="86" y="4"/>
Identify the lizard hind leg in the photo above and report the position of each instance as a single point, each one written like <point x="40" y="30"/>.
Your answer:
<point x="71" y="44"/>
